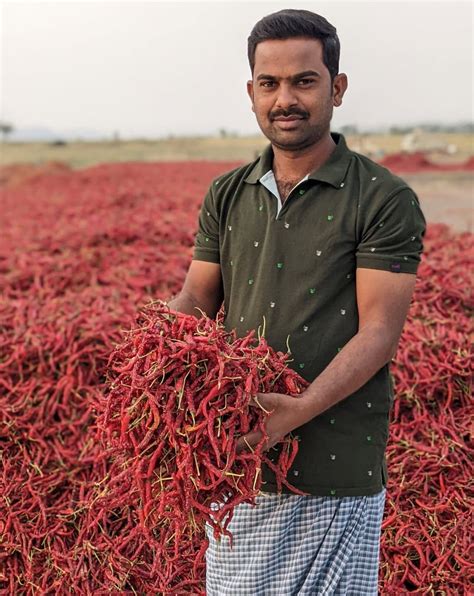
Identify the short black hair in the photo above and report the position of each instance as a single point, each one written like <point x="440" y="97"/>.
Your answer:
<point x="293" y="22"/>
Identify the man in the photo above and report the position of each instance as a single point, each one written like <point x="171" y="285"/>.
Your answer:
<point x="324" y="245"/>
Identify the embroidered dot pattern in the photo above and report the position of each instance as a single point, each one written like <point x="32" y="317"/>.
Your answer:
<point x="312" y="290"/>
<point x="286" y="225"/>
<point x="272" y="304"/>
<point x="255" y="243"/>
<point x="330" y="217"/>
<point x="229" y="228"/>
<point x="305" y="328"/>
<point x="343" y="311"/>
<point x="333" y="457"/>
<point x="374" y="178"/>
<point x="318" y="253"/>
<point x="279" y="265"/>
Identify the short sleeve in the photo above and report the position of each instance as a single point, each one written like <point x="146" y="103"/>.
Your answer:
<point x="206" y="245"/>
<point x="391" y="233"/>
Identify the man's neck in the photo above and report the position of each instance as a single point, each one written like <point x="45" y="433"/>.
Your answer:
<point x="292" y="165"/>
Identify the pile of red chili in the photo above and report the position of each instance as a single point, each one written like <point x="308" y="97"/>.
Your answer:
<point x="80" y="253"/>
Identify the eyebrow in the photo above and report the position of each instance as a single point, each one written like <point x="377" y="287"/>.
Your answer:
<point x="300" y="75"/>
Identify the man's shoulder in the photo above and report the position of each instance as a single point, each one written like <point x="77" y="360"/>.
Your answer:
<point x="232" y="177"/>
<point x="371" y="174"/>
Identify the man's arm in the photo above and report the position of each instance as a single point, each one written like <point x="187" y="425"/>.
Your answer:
<point x="202" y="289"/>
<point x="383" y="300"/>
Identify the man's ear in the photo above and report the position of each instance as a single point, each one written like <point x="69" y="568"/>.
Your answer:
<point x="250" y="92"/>
<point x="339" y="87"/>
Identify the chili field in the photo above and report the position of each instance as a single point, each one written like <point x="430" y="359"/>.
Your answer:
<point x="81" y="252"/>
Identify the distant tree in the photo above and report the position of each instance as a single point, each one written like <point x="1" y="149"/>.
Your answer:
<point x="5" y="129"/>
<point x="400" y="130"/>
<point x="223" y="133"/>
<point x="349" y="129"/>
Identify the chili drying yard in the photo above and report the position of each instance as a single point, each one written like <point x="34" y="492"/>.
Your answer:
<point x="81" y="253"/>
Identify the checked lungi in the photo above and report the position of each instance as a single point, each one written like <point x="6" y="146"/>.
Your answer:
<point x="290" y="545"/>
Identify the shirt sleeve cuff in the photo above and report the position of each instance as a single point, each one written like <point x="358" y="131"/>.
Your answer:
<point x="205" y="254"/>
<point x="387" y="264"/>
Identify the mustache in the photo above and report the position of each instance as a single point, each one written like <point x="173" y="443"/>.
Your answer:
<point x="288" y="113"/>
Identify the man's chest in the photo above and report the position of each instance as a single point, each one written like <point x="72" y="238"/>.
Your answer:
<point x="285" y="187"/>
<point x="309" y="236"/>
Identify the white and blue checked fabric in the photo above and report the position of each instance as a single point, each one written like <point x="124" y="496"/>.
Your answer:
<point x="290" y="545"/>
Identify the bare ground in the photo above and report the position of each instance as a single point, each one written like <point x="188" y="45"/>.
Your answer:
<point x="446" y="197"/>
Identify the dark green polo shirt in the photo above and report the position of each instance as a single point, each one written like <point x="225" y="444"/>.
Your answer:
<point x="292" y="271"/>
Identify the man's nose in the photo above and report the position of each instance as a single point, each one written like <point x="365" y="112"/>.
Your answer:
<point x="286" y="96"/>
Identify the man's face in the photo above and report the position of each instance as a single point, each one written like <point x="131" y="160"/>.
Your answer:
<point x="290" y="81"/>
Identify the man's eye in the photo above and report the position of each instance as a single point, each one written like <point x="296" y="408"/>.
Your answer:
<point x="306" y="81"/>
<point x="266" y="83"/>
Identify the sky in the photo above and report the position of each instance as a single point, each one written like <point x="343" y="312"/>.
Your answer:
<point x="152" y="69"/>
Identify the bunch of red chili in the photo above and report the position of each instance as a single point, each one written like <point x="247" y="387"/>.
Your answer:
<point x="78" y="252"/>
<point x="181" y="394"/>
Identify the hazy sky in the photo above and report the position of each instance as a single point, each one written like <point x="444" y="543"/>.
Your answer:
<point x="156" y="68"/>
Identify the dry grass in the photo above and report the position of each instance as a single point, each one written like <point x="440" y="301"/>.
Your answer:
<point x="244" y="149"/>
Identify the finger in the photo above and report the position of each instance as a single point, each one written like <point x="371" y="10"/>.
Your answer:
<point x="248" y="442"/>
<point x="261" y="401"/>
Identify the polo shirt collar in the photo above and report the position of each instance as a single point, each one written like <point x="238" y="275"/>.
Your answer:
<point x="332" y="172"/>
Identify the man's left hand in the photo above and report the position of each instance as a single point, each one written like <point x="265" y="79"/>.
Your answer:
<point x="286" y="414"/>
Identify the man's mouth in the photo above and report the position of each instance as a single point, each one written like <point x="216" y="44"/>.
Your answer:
<point x="288" y="118"/>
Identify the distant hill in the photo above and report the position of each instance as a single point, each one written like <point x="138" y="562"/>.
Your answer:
<point x="43" y="134"/>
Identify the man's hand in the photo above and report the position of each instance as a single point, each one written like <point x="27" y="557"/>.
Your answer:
<point x="287" y="413"/>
